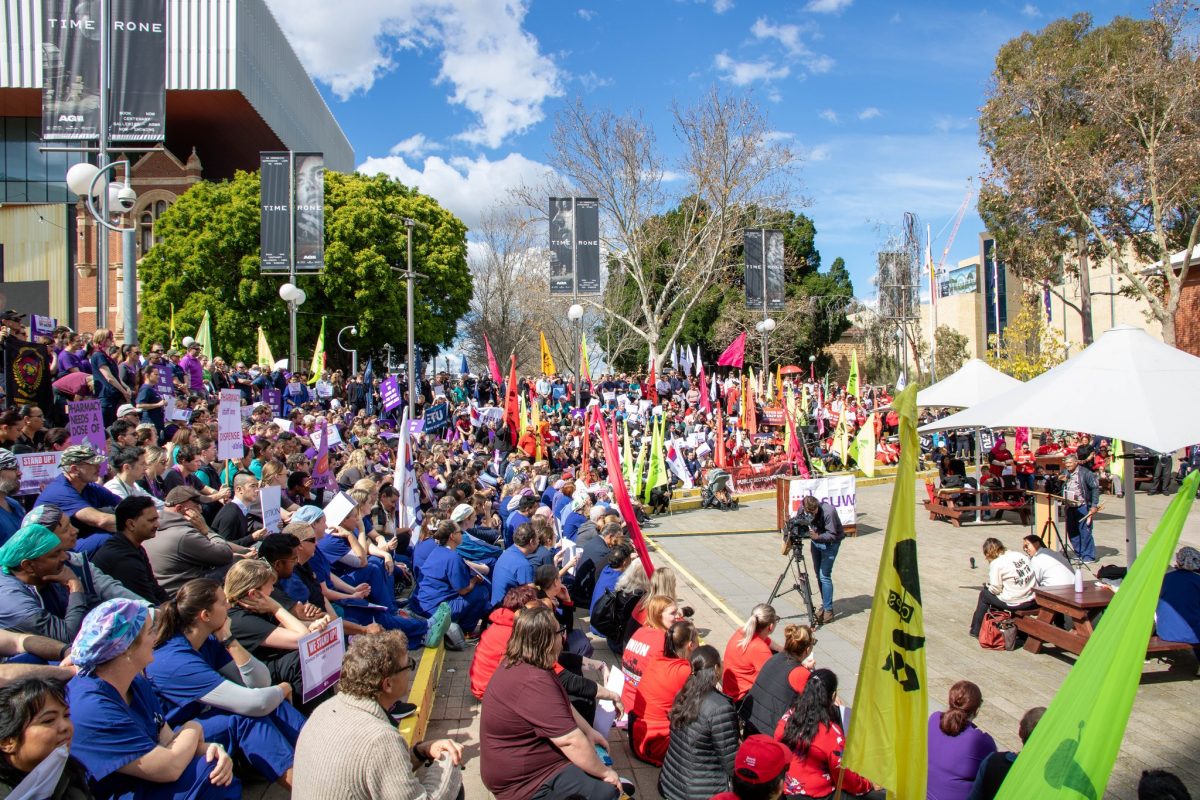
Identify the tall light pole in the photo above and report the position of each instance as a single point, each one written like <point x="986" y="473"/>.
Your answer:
<point x="812" y="368"/>
<point x="765" y="327"/>
<point x="575" y="315"/>
<point x="353" y="353"/>
<point x="408" y="224"/>
<point x="82" y="179"/>
<point x="294" y="296"/>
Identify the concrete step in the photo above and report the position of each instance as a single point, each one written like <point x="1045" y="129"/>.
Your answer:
<point x="689" y="499"/>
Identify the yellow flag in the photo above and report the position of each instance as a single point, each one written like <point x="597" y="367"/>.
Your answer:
<point x="1117" y="467"/>
<point x="264" y="350"/>
<point x="888" y="740"/>
<point x="585" y="367"/>
<point x="864" y="445"/>
<point x="547" y="359"/>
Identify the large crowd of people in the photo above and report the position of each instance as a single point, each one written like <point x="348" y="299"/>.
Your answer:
<point x="154" y="597"/>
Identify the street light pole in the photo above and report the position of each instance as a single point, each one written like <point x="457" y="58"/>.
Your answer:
<point x="82" y="179"/>
<point x="409" y="223"/>
<point x="575" y="315"/>
<point x="353" y="353"/>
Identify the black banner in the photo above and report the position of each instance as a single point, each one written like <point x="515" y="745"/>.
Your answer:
<point x="562" y="245"/>
<point x="138" y="95"/>
<point x="26" y="373"/>
<point x="70" y="70"/>
<point x="753" y="275"/>
<point x="776" y="296"/>
<point x="310" y="212"/>
<point x="587" y="245"/>
<point x="275" y="233"/>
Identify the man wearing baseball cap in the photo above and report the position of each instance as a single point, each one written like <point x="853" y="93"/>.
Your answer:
<point x="11" y="512"/>
<point x="193" y="369"/>
<point x="758" y="770"/>
<point x="88" y="504"/>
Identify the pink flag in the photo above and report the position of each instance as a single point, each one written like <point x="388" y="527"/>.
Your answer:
<point x="493" y="367"/>
<point x="705" y="403"/>
<point x="621" y="493"/>
<point x="735" y="354"/>
<point x="1022" y="437"/>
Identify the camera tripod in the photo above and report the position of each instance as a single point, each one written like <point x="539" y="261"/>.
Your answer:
<point x="797" y="568"/>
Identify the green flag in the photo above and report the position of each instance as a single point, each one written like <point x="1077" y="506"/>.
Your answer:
<point x="1117" y="467"/>
<point x="204" y="336"/>
<point x="1072" y="750"/>
<point x="657" y="474"/>
<point x="864" y="447"/>
<point x="636" y="485"/>
<point x="852" y="381"/>
<point x="317" y="367"/>
<point x="627" y="457"/>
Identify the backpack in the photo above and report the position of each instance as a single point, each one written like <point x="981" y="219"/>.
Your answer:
<point x="606" y="615"/>
<point x="999" y="631"/>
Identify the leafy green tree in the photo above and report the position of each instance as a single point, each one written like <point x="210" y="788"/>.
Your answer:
<point x="208" y="259"/>
<point x="952" y="351"/>
<point x="1029" y="346"/>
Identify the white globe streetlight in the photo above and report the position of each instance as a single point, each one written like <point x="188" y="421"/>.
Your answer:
<point x="80" y="177"/>
<point x="575" y="315"/>
<point x="575" y="312"/>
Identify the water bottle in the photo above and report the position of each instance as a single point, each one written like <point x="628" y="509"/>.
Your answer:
<point x="1078" y="580"/>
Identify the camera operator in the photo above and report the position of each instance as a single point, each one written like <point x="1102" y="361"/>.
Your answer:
<point x="825" y="535"/>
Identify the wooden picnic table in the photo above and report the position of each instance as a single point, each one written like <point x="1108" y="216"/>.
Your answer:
<point x="1083" y="609"/>
<point x="941" y="504"/>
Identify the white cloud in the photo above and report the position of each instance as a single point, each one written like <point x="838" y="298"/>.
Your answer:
<point x="790" y="37"/>
<point x="819" y="152"/>
<point x="744" y="73"/>
<point x="870" y="112"/>
<point x="829" y="115"/>
<point x="945" y="123"/>
<point x="721" y="6"/>
<point x="591" y="81"/>
<point x="586" y="14"/>
<point x="414" y="146"/>
<point x="1030" y="10"/>
<point x="466" y="186"/>
<point x="493" y="65"/>
<point x="827" y="6"/>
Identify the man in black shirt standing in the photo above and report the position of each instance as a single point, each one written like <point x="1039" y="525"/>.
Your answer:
<point x="122" y="556"/>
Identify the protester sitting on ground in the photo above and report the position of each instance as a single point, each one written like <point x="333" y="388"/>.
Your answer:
<point x="35" y="733"/>
<point x="494" y="639"/>
<point x="812" y="728"/>
<point x="618" y="561"/>
<point x="184" y="547"/>
<point x="39" y="593"/>
<point x="759" y="769"/>
<point x="552" y="592"/>
<point x="1050" y="568"/>
<point x="994" y="767"/>
<point x="232" y="523"/>
<point x="533" y="743"/>
<point x="446" y="578"/>
<point x="130" y="465"/>
<point x="97" y="584"/>
<point x="200" y="671"/>
<point x="1178" y="615"/>
<point x="122" y="555"/>
<point x="647" y="644"/>
<point x="591" y="563"/>
<point x="120" y="736"/>
<point x="1009" y="585"/>
<point x="635" y="585"/>
<point x="747" y="650"/>
<point x="663" y="677"/>
<point x="780" y="680"/>
<point x="704" y="734"/>
<point x="76" y="492"/>
<point x="351" y="749"/>
<point x="513" y="567"/>
<point x="264" y="627"/>
<point x="956" y="747"/>
<point x="1158" y="784"/>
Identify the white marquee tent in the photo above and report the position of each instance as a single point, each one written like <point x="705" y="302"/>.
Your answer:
<point x="974" y="383"/>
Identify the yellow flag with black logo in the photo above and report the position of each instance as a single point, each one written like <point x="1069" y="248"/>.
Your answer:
<point x="888" y="738"/>
<point x="547" y="359"/>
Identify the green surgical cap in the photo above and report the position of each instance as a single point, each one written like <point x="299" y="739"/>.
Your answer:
<point x="32" y="541"/>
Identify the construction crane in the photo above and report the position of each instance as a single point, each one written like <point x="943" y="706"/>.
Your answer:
<point x="935" y="277"/>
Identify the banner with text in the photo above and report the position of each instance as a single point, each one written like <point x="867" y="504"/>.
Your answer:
<point x="321" y="659"/>
<point x="37" y="470"/>
<point x="309" y="199"/>
<point x="271" y="497"/>
<point x="275" y="212"/>
<point x="229" y="425"/>
<point x="138" y="94"/>
<point x="389" y="393"/>
<point x="85" y="424"/>
<point x="837" y="489"/>
<point x="70" y="70"/>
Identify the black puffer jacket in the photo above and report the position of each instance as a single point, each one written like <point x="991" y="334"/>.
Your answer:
<point x="699" y="760"/>
<point x="770" y="696"/>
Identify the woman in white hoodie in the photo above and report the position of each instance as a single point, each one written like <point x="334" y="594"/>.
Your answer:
<point x="1009" y="586"/>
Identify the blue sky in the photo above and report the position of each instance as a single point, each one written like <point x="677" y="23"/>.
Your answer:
<point x="458" y="97"/>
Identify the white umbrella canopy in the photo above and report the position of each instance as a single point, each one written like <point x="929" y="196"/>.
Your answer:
<point x="1120" y="387"/>
<point x="974" y="383"/>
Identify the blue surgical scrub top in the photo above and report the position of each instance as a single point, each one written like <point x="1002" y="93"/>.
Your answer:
<point x="110" y="733"/>
<point x="512" y="569"/>
<point x="182" y="675"/>
<point x="442" y="576"/>
<point x="61" y="493"/>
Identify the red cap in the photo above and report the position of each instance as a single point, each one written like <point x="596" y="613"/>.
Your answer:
<point x="761" y="759"/>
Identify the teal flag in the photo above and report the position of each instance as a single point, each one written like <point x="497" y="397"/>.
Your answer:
<point x="1072" y="750"/>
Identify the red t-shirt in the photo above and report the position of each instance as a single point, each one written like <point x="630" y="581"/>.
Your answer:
<point x="490" y="650"/>
<point x="742" y="666"/>
<point x="650" y="732"/>
<point x="643" y="647"/>
<point x="523" y="709"/>
<point x="815" y="773"/>
<point x="998" y="454"/>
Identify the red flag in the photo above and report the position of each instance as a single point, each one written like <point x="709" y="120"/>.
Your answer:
<point x="621" y="494"/>
<point x="751" y="412"/>
<point x="512" y="404"/>
<point x="719" y="457"/>
<point x="795" y="453"/>
<point x="650" y="392"/>
<point x="493" y="367"/>
<point x="705" y="402"/>
<point x="584" y="463"/>
<point x="735" y="354"/>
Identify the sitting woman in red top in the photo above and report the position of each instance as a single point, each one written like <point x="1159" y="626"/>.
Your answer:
<point x="649" y="725"/>
<point x="646" y="644"/>
<point x="495" y="636"/>
<point x="812" y="728"/>
<point x="748" y="649"/>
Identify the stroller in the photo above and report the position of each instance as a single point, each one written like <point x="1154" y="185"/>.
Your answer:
<point x="716" y="492"/>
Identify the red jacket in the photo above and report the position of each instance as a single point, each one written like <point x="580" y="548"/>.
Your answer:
<point x="650" y="731"/>
<point x="815" y="773"/>
<point x="742" y="666"/>
<point x="490" y="650"/>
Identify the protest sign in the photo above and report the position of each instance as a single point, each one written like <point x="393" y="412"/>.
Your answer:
<point x="335" y="436"/>
<point x="322" y="475"/>
<point x="274" y="399"/>
<point x="415" y="426"/>
<point x="837" y="489"/>
<point x="321" y="659"/>
<point x="41" y="326"/>
<point x="270" y="498"/>
<point x="338" y="509"/>
<point x="229" y="425"/>
<point x="284" y="424"/>
<point x="37" y="470"/>
<point x="437" y="418"/>
<point x="85" y="424"/>
<point x="389" y="393"/>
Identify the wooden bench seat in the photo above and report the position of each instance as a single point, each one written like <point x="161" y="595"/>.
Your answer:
<point x="953" y="514"/>
<point x="1158" y="645"/>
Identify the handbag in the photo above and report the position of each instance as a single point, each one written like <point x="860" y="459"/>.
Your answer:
<point x="999" y="631"/>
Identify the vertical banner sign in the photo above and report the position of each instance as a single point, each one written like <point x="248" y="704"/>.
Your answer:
<point x="27" y="373"/>
<point x="773" y="264"/>
<point x="138" y="97"/>
<point x="85" y="424"/>
<point x="274" y="399"/>
<point x="70" y="70"/>
<point x="321" y="659"/>
<point x="562" y="245"/>
<point x="310" y="212"/>
<point x="389" y="393"/>
<point x="587" y="245"/>
<point x="229" y="425"/>
<point x="270" y="498"/>
<point x="753" y="276"/>
<point x="41" y="326"/>
<point x="275" y="225"/>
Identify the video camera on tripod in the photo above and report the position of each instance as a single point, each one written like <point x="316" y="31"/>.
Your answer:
<point x="798" y="529"/>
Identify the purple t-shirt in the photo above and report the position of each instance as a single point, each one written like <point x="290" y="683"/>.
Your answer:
<point x="195" y="372"/>
<point x="954" y="760"/>
<point x="68" y="361"/>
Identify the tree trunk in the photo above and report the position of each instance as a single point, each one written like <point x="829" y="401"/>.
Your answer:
<point x="1085" y="293"/>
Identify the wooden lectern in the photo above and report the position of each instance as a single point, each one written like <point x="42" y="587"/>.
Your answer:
<point x="1045" y="520"/>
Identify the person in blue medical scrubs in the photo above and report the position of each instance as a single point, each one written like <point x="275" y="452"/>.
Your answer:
<point x="196" y="659"/>
<point x="446" y="578"/>
<point x="120" y="735"/>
